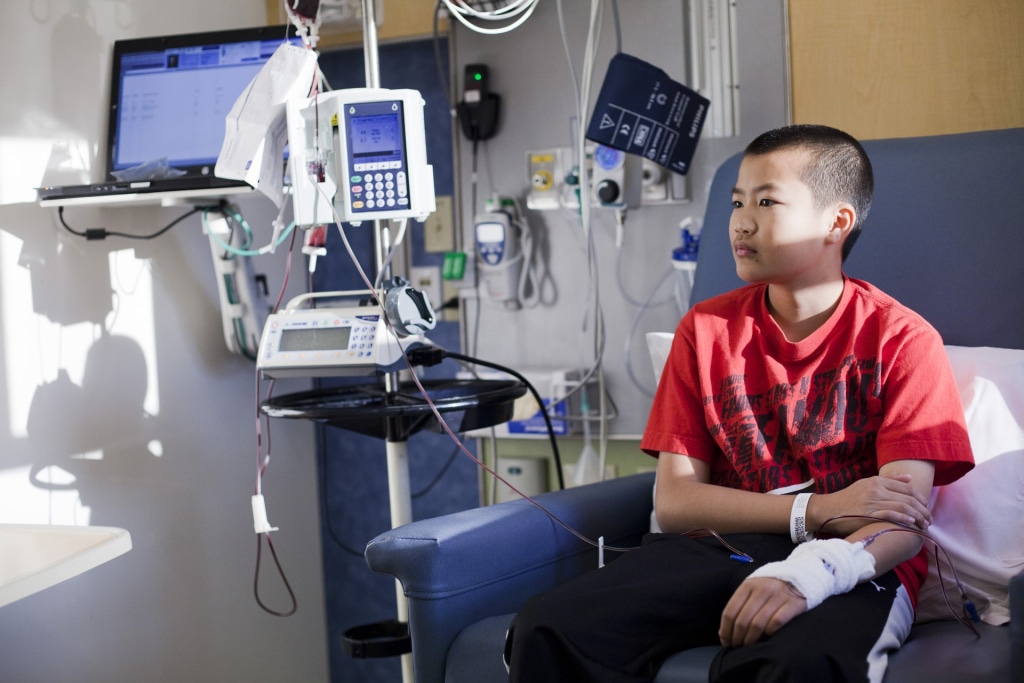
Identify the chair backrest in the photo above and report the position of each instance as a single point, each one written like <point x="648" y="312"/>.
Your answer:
<point x="945" y="235"/>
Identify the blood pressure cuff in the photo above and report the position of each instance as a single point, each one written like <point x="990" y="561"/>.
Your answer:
<point x="642" y="111"/>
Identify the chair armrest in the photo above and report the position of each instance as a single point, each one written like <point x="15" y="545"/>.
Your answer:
<point x="460" y="568"/>
<point x="445" y="556"/>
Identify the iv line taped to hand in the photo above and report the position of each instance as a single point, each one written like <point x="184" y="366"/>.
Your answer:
<point x="820" y="569"/>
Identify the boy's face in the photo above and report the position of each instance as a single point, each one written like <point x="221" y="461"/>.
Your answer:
<point x="778" y="235"/>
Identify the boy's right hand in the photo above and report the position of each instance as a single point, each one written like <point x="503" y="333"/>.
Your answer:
<point x="887" y="497"/>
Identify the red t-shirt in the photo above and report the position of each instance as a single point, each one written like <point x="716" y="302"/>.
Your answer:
<point x="870" y="386"/>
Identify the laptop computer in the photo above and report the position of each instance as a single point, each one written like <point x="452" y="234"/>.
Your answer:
<point x="169" y="96"/>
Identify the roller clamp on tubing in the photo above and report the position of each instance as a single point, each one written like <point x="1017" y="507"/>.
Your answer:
<point x="798" y="519"/>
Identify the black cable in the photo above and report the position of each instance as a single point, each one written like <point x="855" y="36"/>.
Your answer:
<point x="618" y="27"/>
<point x="474" y="339"/>
<point x="536" y="396"/>
<point x="437" y="54"/>
<point x="102" y="233"/>
<point x="321" y="435"/>
<point x="437" y="477"/>
<point x="325" y="512"/>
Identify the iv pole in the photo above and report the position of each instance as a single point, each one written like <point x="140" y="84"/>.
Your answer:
<point x="394" y="416"/>
<point x="397" y="448"/>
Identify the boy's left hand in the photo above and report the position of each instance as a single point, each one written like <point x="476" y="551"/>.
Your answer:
<point x="758" y="608"/>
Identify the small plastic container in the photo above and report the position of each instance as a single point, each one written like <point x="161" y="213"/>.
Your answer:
<point x="684" y="259"/>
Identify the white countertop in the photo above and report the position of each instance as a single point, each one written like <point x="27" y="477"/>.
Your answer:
<point x="37" y="556"/>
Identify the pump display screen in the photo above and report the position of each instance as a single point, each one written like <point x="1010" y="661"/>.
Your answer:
<point x="316" y="339"/>
<point x="490" y="232"/>
<point x="376" y="149"/>
<point x="377" y="137"/>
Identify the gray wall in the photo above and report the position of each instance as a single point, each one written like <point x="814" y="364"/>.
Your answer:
<point x="529" y="70"/>
<point x="116" y="385"/>
<point x="141" y="419"/>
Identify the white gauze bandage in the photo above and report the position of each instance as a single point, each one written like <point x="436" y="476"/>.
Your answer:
<point x="819" y="569"/>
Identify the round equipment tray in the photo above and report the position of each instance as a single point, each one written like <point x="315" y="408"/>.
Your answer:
<point x="370" y="410"/>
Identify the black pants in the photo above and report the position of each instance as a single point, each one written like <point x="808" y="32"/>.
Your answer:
<point x="621" y="622"/>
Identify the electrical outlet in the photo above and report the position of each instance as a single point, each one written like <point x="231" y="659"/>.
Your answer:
<point x="529" y="475"/>
<point x="449" y="291"/>
<point x="427" y="279"/>
<point x="439" y="228"/>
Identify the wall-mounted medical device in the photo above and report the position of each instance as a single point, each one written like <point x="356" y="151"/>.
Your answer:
<point x="243" y="304"/>
<point x="499" y="255"/>
<point x="546" y="175"/>
<point x="360" y="153"/>
<point x="616" y="178"/>
<point x="349" y="340"/>
<point x="480" y="108"/>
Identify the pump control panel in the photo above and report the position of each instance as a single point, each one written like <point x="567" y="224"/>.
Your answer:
<point x="360" y="154"/>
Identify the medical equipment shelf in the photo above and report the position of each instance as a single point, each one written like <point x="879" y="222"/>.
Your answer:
<point x="371" y="410"/>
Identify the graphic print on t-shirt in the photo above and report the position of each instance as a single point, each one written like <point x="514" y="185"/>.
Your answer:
<point x="822" y="426"/>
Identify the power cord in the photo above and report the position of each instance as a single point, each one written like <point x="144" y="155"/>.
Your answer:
<point x="321" y="435"/>
<point x="325" y="512"/>
<point x="433" y="355"/>
<point x="92" y="234"/>
<point x="437" y="477"/>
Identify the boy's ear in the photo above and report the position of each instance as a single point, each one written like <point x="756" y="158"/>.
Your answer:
<point x="842" y="223"/>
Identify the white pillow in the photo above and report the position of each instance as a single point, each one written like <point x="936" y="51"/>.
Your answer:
<point x="979" y="519"/>
<point x="658" y="345"/>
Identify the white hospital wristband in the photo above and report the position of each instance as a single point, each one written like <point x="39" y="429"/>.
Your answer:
<point x="798" y="519"/>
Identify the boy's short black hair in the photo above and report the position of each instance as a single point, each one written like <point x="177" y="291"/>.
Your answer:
<point x="839" y="171"/>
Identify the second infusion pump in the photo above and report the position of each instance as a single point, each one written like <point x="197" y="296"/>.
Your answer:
<point x="363" y="151"/>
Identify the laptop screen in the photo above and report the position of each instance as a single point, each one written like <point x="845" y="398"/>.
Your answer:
<point x="170" y="95"/>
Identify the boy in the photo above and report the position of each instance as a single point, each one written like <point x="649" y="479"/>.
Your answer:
<point x="803" y="382"/>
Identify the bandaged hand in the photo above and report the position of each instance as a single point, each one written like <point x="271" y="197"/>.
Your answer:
<point x="780" y="591"/>
<point x="820" y="569"/>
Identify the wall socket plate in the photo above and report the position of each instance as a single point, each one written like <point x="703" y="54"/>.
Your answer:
<point x="439" y="228"/>
<point x="529" y="475"/>
<point x="427" y="279"/>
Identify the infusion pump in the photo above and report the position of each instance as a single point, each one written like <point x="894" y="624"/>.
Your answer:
<point x="344" y="341"/>
<point x="359" y="154"/>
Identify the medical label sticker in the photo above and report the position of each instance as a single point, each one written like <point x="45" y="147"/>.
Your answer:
<point x="642" y="111"/>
